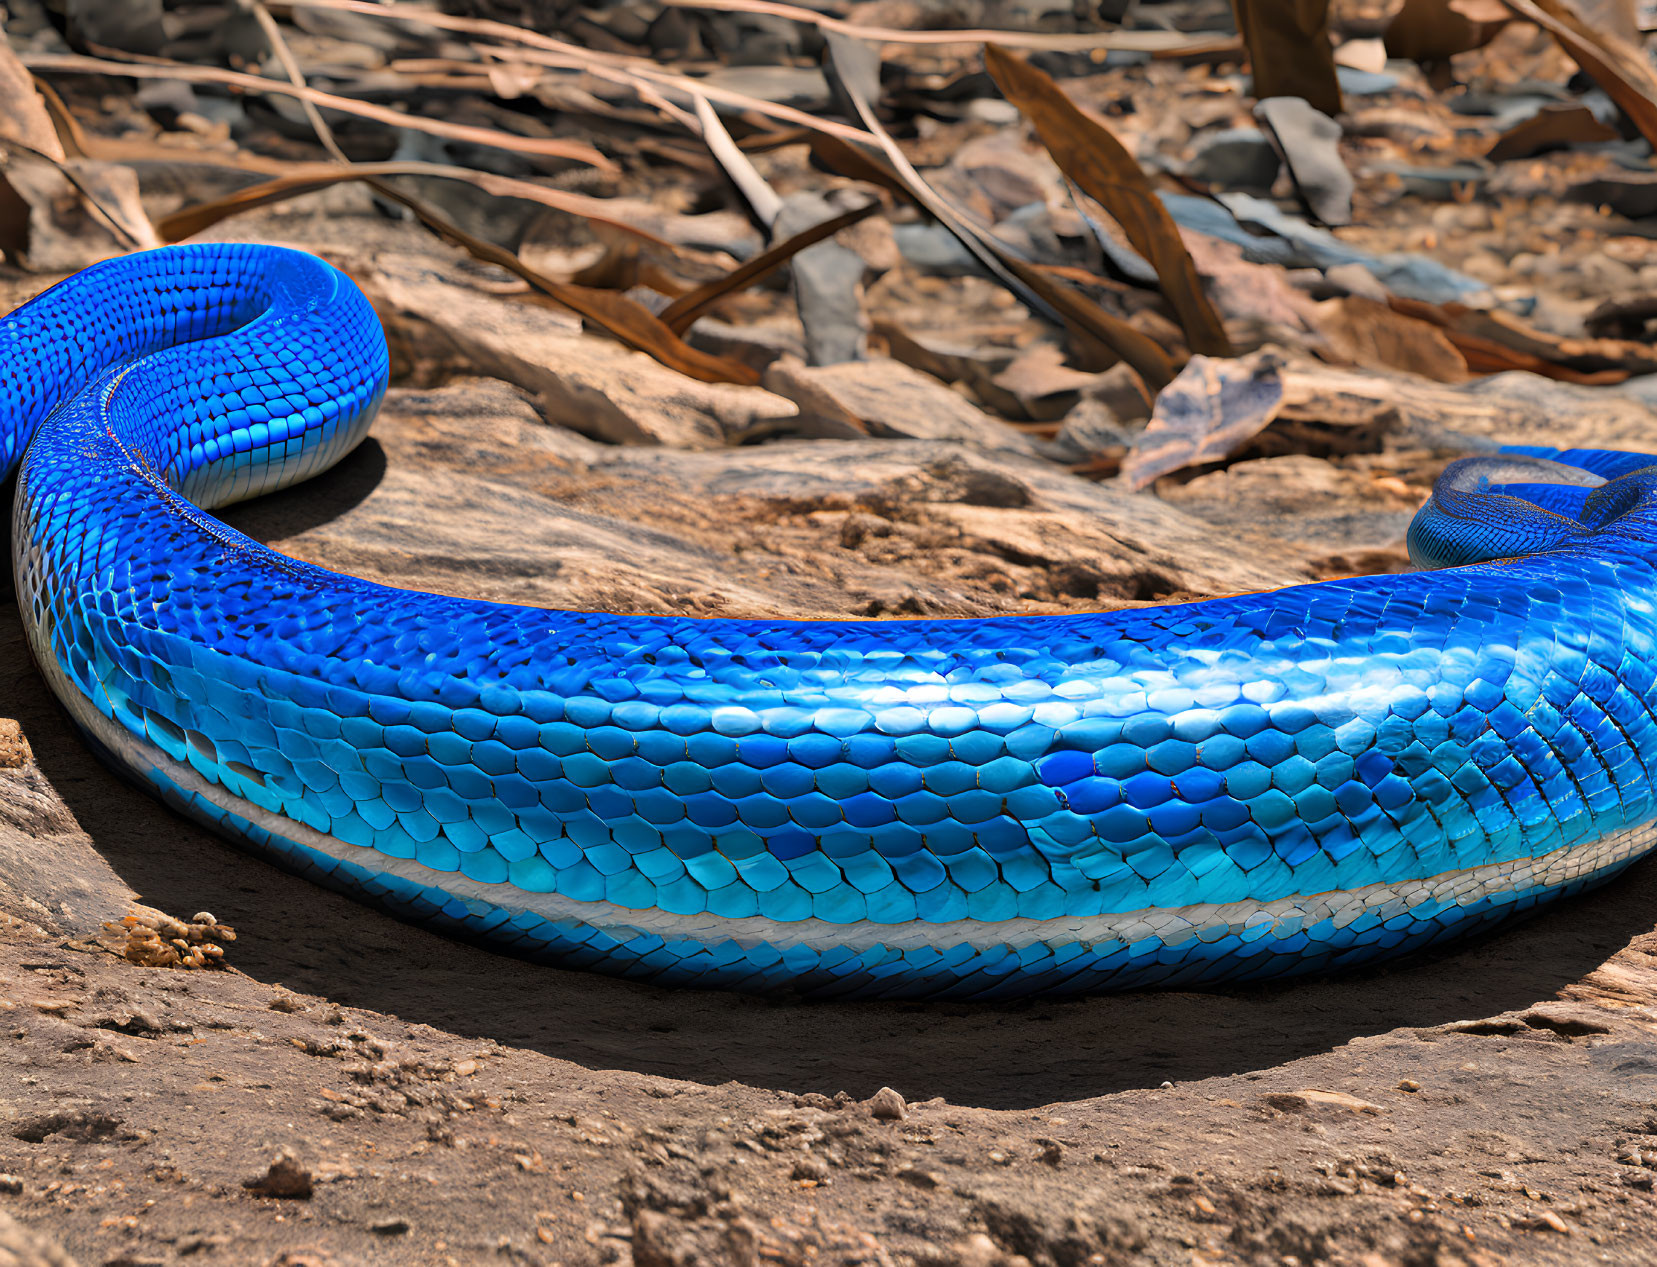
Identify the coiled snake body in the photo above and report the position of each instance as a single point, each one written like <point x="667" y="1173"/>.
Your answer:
<point x="1242" y="787"/>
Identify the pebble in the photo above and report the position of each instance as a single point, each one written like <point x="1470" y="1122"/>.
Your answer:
<point x="886" y="1105"/>
<point x="1237" y="158"/>
<point x="810" y="1167"/>
<point x="285" y="1177"/>
<point x="918" y="1178"/>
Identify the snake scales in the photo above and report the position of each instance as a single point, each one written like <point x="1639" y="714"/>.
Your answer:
<point x="1244" y="787"/>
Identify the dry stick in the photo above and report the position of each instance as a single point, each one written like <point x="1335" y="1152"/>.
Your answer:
<point x="293" y="179"/>
<point x="968" y="233"/>
<point x="646" y="334"/>
<point x="74" y="64"/>
<point x="744" y="175"/>
<point x="279" y="46"/>
<point x="679" y="314"/>
<point x="638" y="78"/>
<point x="640" y="328"/>
<point x="1040" y="293"/>
<point x="288" y="175"/>
<point x="1127" y="41"/>
<point x="1136" y="41"/>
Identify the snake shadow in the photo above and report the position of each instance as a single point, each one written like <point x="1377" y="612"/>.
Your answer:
<point x="998" y="1056"/>
<point x="274" y="516"/>
<point x="314" y="502"/>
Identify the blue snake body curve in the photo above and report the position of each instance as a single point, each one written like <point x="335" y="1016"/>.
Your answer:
<point x="1243" y="787"/>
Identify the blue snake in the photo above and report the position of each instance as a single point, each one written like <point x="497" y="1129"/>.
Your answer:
<point x="1244" y="787"/>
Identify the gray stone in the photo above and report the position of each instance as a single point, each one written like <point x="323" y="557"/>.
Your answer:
<point x="1237" y="158"/>
<point x="1310" y="141"/>
<point x="828" y="284"/>
<point x="1355" y="279"/>
<point x="892" y="401"/>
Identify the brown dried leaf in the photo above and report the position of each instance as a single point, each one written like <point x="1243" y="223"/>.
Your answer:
<point x="628" y="320"/>
<point x="1084" y="317"/>
<point x="1493" y="342"/>
<point x="1289" y="50"/>
<point x="1096" y="328"/>
<point x="1367" y="333"/>
<point x="1552" y="128"/>
<point x="1433" y="31"/>
<point x="1616" y="65"/>
<point x="1090" y="154"/>
<point x="845" y="159"/>
<point x="1209" y="412"/>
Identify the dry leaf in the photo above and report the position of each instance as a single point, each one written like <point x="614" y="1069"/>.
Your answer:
<point x="1557" y="127"/>
<point x="1096" y="328"/>
<point x="1434" y="31"/>
<point x="1494" y="341"/>
<point x="1617" y="66"/>
<point x="1368" y="333"/>
<point x="1090" y="155"/>
<point x="1210" y="411"/>
<point x="1289" y="50"/>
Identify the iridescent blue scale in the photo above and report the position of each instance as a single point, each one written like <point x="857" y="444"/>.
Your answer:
<point x="1245" y="787"/>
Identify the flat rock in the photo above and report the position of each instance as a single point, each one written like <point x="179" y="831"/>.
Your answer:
<point x="892" y="400"/>
<point x="515" y="510"/>
<point x="1310" y="141"/>
<point x="589" y="384"/>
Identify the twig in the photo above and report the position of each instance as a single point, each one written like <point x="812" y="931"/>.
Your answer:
<point x="1164" y="42"/>
<point x="765" y="201"/>
<point x="279" y="46"/>
<point x="293" y="178"/>
<point x="683" y="311"/>
<point x="157" y="68"/>
<point x="1173" y="42"/>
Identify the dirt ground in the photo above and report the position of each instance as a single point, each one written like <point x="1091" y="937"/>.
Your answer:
<point x="352" y="1091"/>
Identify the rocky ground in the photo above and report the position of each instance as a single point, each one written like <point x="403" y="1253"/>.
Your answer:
<point x="352" y="1090"/>
<point x="332" y="1087"/>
